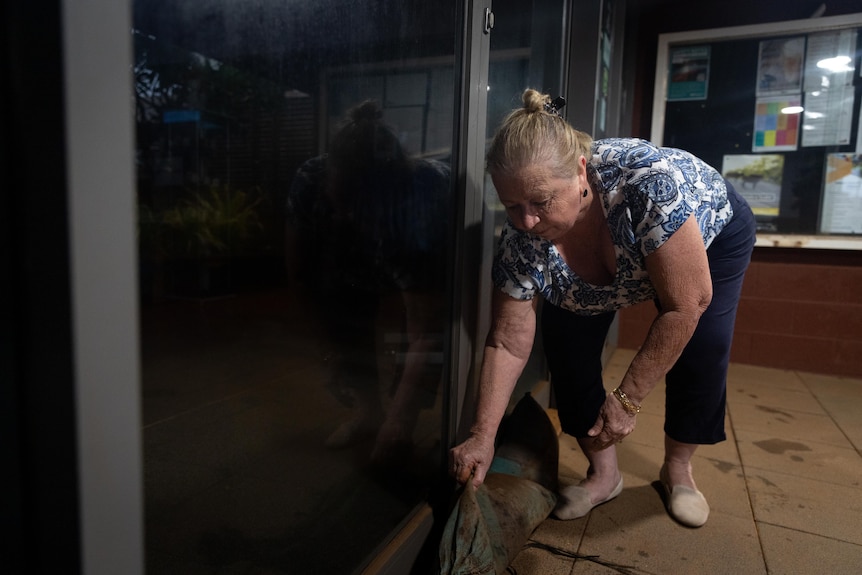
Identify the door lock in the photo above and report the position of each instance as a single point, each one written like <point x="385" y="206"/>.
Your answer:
<point x="489" y="20"/>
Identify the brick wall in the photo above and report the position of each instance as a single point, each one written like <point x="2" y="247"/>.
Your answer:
<point x="800" y="309"/>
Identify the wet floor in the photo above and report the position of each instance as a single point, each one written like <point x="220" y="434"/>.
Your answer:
<point x="785" y="489"/>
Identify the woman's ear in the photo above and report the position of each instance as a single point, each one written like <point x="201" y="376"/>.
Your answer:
<point x="581" y="174"/>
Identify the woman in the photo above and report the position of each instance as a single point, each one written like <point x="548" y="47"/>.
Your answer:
<point x="593" y="227"/>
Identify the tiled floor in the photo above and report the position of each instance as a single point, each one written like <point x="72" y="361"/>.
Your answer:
<point x="233" y="432"/>
<point x="785" y="489"/>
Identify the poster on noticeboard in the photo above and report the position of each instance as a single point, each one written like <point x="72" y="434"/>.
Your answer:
<point x="779" y="66"/>
<point x="757" y="177"/>
<point x="689" y="73"/>
<point x="841" y="212"/>
<point x="776" y="124"/>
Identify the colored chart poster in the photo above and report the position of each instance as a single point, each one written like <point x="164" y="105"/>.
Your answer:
<point x="776" y="124"/>
<point x="689" y="73"/>
<point x="842" y="195"/>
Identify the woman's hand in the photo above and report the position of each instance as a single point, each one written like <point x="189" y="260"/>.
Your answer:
<point x="507" y="349"/>
<point x="471" y="458"/>
<point x="612" y="425"/>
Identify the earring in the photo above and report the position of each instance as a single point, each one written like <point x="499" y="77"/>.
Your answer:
<point x="586" y="191"/>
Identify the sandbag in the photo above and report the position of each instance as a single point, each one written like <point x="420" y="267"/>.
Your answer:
<point x="490" y="524"/>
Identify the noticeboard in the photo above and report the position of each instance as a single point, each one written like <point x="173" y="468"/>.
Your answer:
<point x="775" y="108"/>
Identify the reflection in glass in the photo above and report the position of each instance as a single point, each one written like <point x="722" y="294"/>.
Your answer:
<point x="294" y="204"/>
<point x="365" y="232"/>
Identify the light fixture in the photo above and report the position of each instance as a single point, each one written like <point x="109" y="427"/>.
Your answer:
<point x="836" y="64"/>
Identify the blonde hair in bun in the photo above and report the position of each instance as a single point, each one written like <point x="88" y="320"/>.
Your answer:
<point x="530" y="135"/>
<point x="534" y="101"/>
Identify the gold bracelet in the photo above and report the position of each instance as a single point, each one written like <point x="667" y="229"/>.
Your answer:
<point x="631" y="407"/>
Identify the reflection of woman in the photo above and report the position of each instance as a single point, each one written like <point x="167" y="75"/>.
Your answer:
<point x="367" y="220"/>
<point x="593" y="227"/>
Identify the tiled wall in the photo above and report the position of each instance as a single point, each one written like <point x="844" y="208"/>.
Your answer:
<point x="800" y="309"/>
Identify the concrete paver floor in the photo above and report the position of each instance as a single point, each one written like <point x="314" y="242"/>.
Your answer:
<point x="785" y="489"/>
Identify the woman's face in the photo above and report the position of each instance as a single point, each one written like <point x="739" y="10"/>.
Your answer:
<point x="539" y="203"/>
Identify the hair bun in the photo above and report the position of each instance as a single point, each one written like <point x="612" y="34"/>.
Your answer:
<point x="367" y="110"/>
<point x="534" y="101"/>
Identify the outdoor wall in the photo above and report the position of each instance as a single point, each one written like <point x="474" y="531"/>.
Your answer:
<point x="801" y="309"/>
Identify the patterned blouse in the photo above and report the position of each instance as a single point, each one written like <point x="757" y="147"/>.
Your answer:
<point x="647" y="193"/>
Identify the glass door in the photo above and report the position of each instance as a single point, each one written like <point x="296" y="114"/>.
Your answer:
<point x="295" y="206"/>
<point x="527" y="51"/>
<point x="533" y="46"/>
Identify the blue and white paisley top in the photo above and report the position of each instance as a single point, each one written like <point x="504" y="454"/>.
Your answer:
<point x="647" y="193"/>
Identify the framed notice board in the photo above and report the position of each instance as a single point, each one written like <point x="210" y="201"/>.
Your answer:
<point x="775" y="108"/>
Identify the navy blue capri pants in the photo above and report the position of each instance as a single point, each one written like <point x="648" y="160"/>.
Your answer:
<point x="696" y="384"/>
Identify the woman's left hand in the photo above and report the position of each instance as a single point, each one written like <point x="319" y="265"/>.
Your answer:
<point x="612" y="425"/>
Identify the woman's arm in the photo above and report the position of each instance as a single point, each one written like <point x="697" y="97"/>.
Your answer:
<point x="679" y="271"/>
<point x="424" y="315"/>
<point x="507" y="349"/>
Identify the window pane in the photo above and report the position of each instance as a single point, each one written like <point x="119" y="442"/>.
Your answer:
<point x="294" y="205"/>
<point x="526" y="46"/>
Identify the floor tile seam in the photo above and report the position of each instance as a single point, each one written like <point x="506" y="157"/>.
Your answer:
<point x="754" y="523"/>
<point x="849" y="445"/>
<point x="854" y="396"/>
<point x="541" y="557"/>
<point x="803" y="375"/>
<point x="759" y="522"/>
<point x="611" y="567"/>
<point x="763" y="368"/>
<point x="837" y="424"/>
<point x="846" y="444"/>
<point x="754" y="384"/>
<point x="698" y="454"/>
<point x="842" y="445"/>
<point x="582" y="556"/>
<point x="791" y="412"/>
<point x="566" y="556"/>
<point x="824" y="413"/>
<point x="747" y="381"/>
<point x="816" y="479"/>
<point x="745" y="483"/>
